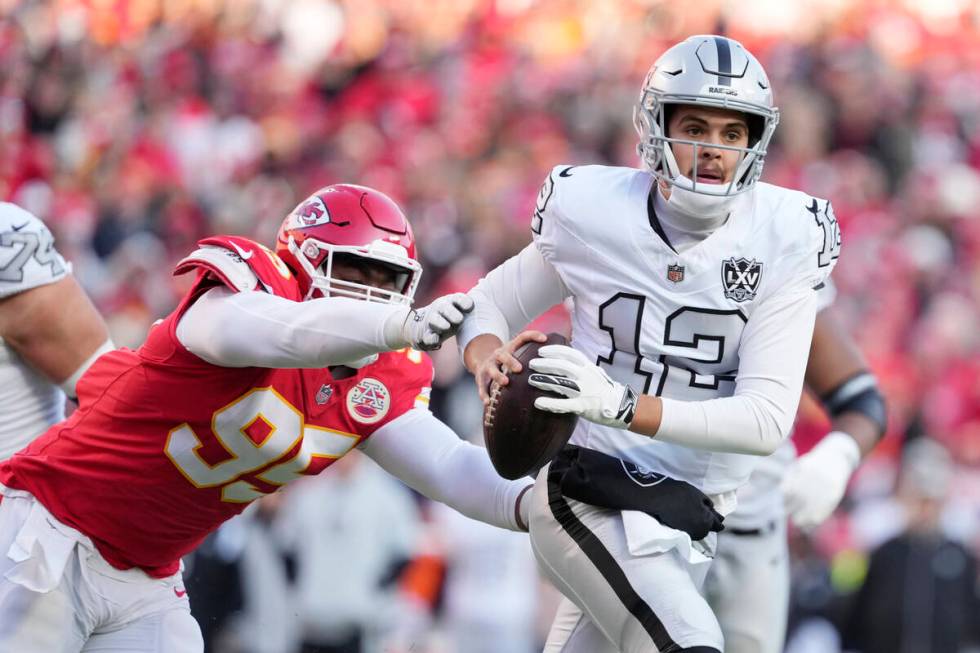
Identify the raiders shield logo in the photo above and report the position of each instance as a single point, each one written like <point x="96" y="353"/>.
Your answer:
<point x="675" y="273"/>
<point x="740" y="278"/>
<point x="641" y="475"/>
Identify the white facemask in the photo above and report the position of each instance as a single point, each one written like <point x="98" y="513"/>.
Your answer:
<point x="700" y="206"/>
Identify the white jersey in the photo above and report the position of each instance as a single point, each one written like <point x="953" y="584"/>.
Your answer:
<point x="667" y="323"/>
<point x="760" y="501"/>
<point x="29" y="402"/>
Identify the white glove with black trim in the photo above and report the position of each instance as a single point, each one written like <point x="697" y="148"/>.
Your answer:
<point x="816" y="482"/>
<point x="589" y="390"/>
<point x="427" y="328"/>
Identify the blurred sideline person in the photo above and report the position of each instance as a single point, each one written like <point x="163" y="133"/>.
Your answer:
<point x="50" y="332"/>
<point x="490" y="591"/>
<point x="238" y="583"/>
<point x="920" y="593"/>
<point x="694" y="293"/>
<point x="749" y="581"/>
<point x="273" y="366"/>
<point x="347" y="561"/>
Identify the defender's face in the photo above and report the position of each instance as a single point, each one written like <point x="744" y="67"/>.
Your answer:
<point x="365" y="273"/>
<point x="709" y="127"/>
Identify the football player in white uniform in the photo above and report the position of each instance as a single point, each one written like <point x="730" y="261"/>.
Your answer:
<point x="693" y="310"/>
<point x="49" y="330"/>
<point x="749" y="581"/>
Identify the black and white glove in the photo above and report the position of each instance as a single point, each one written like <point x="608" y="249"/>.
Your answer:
<point x="588" y="389"/>
<point x="427" y="328"/>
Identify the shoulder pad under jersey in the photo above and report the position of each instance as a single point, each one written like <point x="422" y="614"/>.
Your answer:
<point x="242" y="264"/>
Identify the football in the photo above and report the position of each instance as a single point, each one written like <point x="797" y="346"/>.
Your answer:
<point x="520" y="438"/>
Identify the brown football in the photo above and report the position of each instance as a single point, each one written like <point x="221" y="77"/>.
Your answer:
<point x="520" y="438"/>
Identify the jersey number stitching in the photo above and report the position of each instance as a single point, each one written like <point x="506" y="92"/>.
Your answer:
<point x="830" y="249"/>
<point x="701" y="333"/>
<point x="39" y="245"/>
<point x="256" y="430"/>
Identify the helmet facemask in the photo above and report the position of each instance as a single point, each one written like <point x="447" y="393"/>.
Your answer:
<point x="651" y="116"/>
<point x="318" y="260"/>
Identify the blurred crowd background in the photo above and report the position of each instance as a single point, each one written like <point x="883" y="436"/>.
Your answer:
<point x="136" y="127"/>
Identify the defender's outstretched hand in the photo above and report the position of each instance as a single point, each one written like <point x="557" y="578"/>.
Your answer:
<point x="588" y="389"/>
<point x="427" y="328"/>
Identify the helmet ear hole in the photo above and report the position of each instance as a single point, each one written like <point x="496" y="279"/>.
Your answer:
<point x="757" y="127"/>
<point x="669" y="110"/>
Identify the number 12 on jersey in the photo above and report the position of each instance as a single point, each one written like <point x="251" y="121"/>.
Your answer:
<point x="700" y="348"/>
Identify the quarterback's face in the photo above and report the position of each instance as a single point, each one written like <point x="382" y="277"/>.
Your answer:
<point x="708" y="127"/>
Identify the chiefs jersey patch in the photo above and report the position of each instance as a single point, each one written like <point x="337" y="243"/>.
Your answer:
<point x="368" y="401"/>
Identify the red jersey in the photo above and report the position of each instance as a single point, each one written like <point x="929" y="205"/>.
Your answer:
<point x="164" y="446"/>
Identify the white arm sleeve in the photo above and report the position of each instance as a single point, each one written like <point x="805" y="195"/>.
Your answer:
<point x="430" y="458"/>
<point x="258" y="329"/>
<point x="511" y="296"/>
<point x="759" y="416"/>
<point x="68" y="385"/>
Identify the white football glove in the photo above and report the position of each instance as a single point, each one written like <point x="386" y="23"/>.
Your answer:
<point x="815" y="483"/>
<point x="589" y="390"/>
<point x="427" y="328"/>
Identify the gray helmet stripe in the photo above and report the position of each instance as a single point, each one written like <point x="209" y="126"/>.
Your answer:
<point x="724" y="61"/>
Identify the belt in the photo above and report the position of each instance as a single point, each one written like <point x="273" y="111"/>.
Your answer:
<point x="765" y="529"/>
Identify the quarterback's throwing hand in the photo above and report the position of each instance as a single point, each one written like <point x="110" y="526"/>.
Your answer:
<point x="427" y="328"/>
<point x="501" y="362"/>
<point x="588" y="389"/>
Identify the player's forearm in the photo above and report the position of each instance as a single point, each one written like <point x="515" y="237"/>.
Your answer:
<point x="744" y="424"/>
<point x="857" y="408"/>
<point x="430" y="458"/>
<point x="511" y="296"/>
<point x="257" y="329"/>
<point x="731" y="424"/>
<point x="759" y="416"/>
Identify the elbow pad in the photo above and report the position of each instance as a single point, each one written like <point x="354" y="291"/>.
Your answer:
<point x="859" y="394"/>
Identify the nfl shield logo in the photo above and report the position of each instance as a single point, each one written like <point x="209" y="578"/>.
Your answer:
<point x="675" y="273"/>
<point x="324" y="393"/>
<point x="740" y="278"/>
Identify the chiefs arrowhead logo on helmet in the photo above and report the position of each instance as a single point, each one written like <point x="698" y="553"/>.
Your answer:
<point x="312" y="212"/>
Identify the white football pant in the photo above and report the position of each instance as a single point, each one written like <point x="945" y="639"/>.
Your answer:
<point x="617" y="601"/>
<point x="748" y="588"/>
<point x="58" y="595"/>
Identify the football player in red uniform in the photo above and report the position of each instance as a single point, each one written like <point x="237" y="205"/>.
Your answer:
<point x="274" y="365"/>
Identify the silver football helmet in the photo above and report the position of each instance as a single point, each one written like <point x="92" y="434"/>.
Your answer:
<point x="712" y="71"/>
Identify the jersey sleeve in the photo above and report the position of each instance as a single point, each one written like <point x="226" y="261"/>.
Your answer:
<point x="809" y="242"/>
<point x="547" y="221"/>
<point x="28" y="258"/>
<point x="823" y="244"/>
<point x="826" y="294"/>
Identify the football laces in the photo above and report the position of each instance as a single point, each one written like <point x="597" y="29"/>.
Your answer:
<point x="491" y="408"/>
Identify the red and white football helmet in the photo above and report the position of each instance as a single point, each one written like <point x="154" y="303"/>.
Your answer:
<point x="349" y="220"/>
